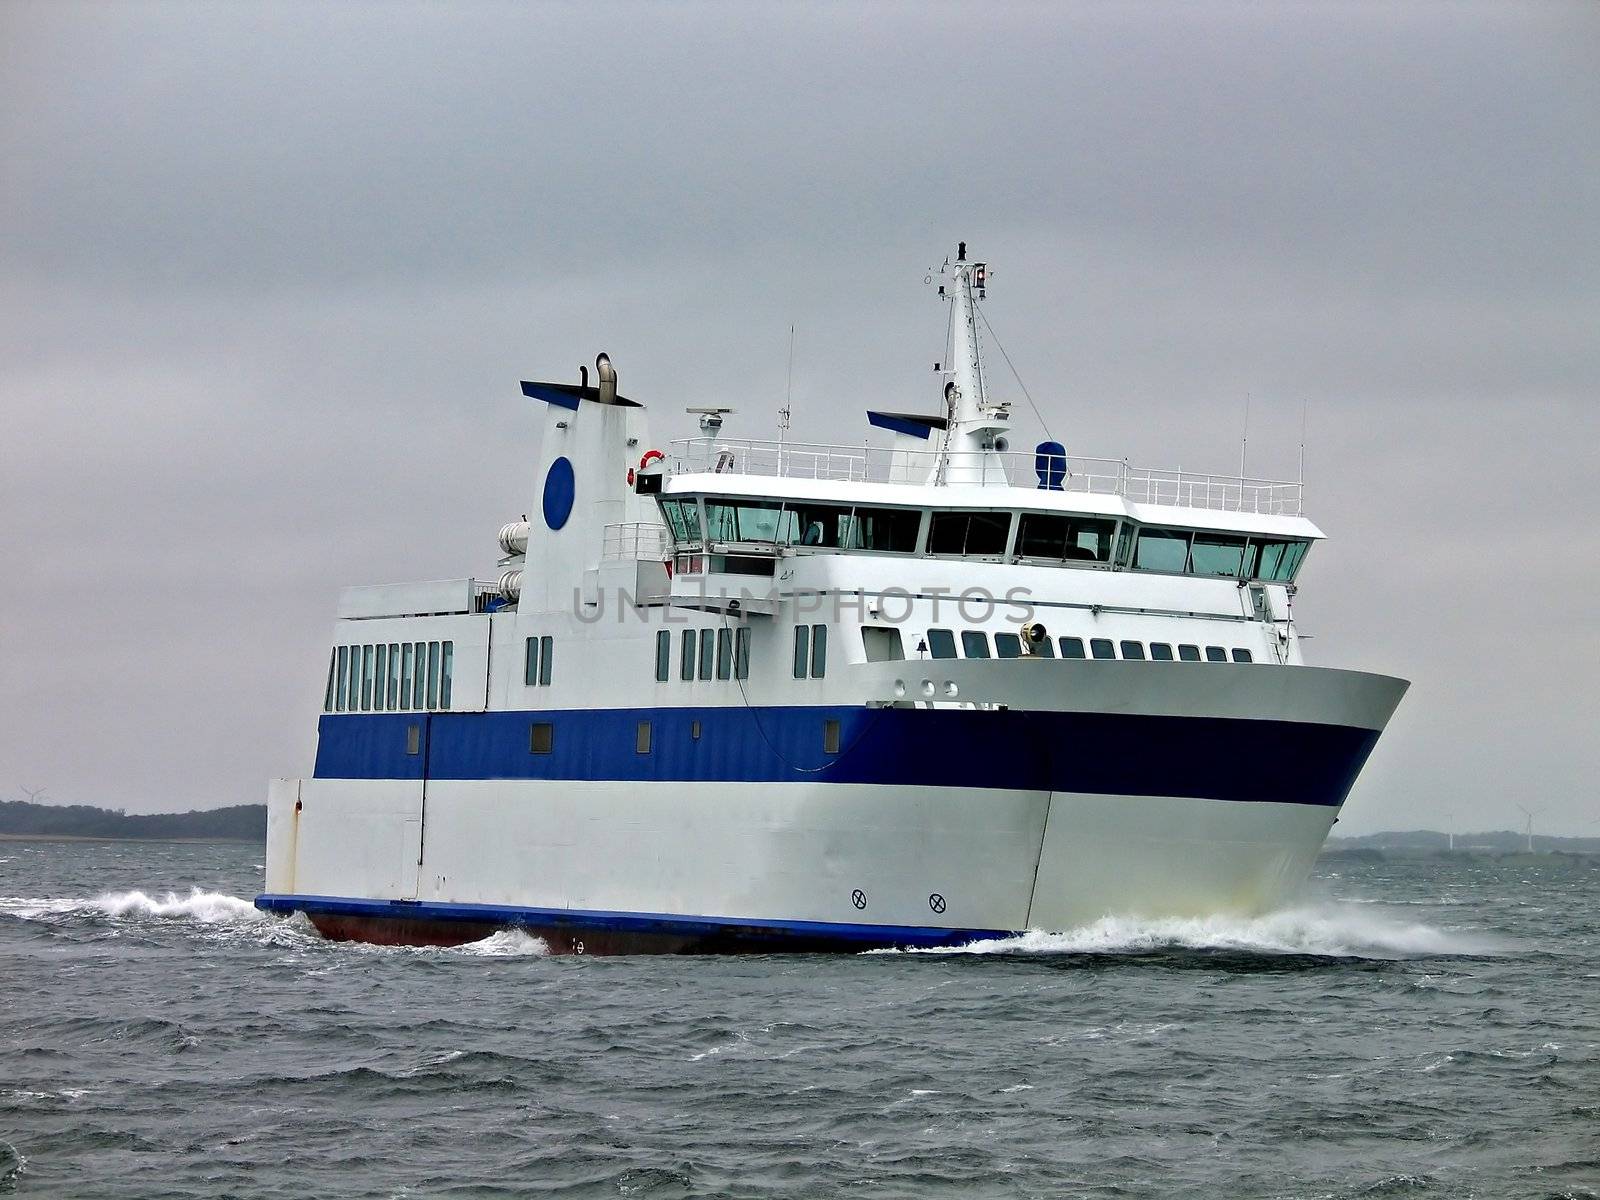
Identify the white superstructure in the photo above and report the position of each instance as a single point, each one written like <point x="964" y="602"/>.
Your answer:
<point x="743" y="695"/>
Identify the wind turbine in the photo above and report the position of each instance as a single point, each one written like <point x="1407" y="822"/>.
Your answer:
<point x="1530" y="813"/>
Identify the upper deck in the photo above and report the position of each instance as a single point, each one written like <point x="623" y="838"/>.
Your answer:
<point x="1088" y="476"/>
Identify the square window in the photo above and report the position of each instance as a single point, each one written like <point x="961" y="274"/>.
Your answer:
<point x="1102" y="648"/>
<point x="541" y="737"/>
<point x="974" y="643"/>
<point x="1242" y="655"/>
<point x="830" y="737"/>
<point x="1161" y="651"/>
<point x="1133" y="650"/>
<point x="1216" y="654"/>
<point x="1071" y="647"/>
<point x="941" y="643"/>
<point x="1189" y="653"/>
<point x="641" y="738"/>
<point x="1007" y="645"/>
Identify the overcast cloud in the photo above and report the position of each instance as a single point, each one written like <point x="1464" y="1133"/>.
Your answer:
<point x="270" y="275"/>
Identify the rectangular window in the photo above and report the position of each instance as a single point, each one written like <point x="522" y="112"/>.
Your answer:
<point x="1216" y="554"/>
<point x="974" y="643"/>
<point x="941" y="643"/>
<point x="333" y="665"/>
<point x="1007" y="645"/>
<point x="819" y="651"/>
<point x="366" y="679"/>
<point x="380" y="677"/>
<point x="444" y="674"/>
<point x="663" y="655"/>
<point x="547" y="660"/>
<point x="708" y="653"/>
<point x="1162" y="550"/>
<point x="1216" y="654"/>
<point x="1133" y="650"/>
<point x="808" y="524"/>
<point x="1044" y="648"/>
<point x="1274" y="560"/>
<point x="683" y="518"/>
<point x="433" y="674"/>
<point x="969" y="533"/>
<point x="1242" y="655"/>
<point x="694" y="731"/>
<point x="686" y="658"/>
<point x="353" y="700"/>
<point x="344" y="669"/>
<point x="541" y="737"/>
<point x="802" y="650"/>
<point x="419" y="692"/>
<point x="641" y="738"/>
<point x="1189" y="653"/>
<point x="1057" y="538"/>
<point x="830" y="737"/>
<point x="1102" y="648"/>
<point x="1071" y="647"/>
<point x="742" y="520"/>
<point x="530" y="661"/>
<point x="724" y="654"/>
<point x="413" y="739"/>
<point x="405" y="675"/>
<point x="741" y="652"/>
<point x="890" y="530"/>
<point x="882" y="644"/>
<point x="394" y="676"/>
<point x="1161" y="651"/>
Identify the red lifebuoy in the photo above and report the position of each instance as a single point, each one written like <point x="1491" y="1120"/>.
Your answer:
<point x="650" y="456"/>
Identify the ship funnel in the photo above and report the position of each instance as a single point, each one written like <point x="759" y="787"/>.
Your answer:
<point x="606" y="377"/>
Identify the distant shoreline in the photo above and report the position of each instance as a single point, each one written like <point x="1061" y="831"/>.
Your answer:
<point x="89" y="837"/>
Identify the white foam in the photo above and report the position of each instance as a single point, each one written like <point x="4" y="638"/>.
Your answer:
<point x="507" y="943"/>
<point x="206" y="908"/>
<point x="1333" y="929"/>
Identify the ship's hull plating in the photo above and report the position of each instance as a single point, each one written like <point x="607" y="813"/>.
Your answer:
<point x="929" y="828"/>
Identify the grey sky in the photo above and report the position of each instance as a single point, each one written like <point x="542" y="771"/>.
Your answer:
<point x="270" y="275"/>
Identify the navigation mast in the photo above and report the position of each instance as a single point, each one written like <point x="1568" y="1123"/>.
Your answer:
<point x="974" y="437"/>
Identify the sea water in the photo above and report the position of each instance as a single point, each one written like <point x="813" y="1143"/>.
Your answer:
<point x="1422" y="1027"/>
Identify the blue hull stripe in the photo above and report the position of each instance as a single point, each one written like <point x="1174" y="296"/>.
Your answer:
<point x="658" y="924"/>
<point x="1097" y="753"/>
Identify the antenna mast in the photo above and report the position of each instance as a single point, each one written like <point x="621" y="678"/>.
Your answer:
<point x="973" y="440"/>
<point x="788" y="392"/>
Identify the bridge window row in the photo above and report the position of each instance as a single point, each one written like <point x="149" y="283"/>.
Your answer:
<point x="987" y="534"/>
<point x="390" y="677"/>
<point x="974" y="643"/>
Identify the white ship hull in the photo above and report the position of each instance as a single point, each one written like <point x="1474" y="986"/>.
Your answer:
<point x="628" y="865"/>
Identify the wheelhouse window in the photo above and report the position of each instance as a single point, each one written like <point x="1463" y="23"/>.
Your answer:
<point x="825" y="525"/>
<point x="1133" y="650"/>
<point x="743" y="520"/>
<point x="941" y="643"/>
<point x="1102" y="648"/>
<point x="1189" y="653"/>
<point x="1007" y="645"/>
<point x="888" y="530"/>
<point x="1240" y="654"/>
<point x="1277" y="561"/>
<point x="974" y="643"/>
<point x="1216" y="654"/>
<point x="973" y="534"/>
<point x="1071" y="647"/>
<point x="683" y="518"/>
<point x="1216" y="554"/>
<point x="1161" y="550"/>
<point x="1161" y="651"/>
<point x="1058" y="538"/>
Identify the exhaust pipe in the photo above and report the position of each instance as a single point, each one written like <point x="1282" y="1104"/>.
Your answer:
<point x="606" y="377"/>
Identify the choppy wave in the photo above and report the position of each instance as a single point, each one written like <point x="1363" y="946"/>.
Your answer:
<point x="508" y="943"/>
<point x="207" y="908"/>
<point x="1332" y="930"/>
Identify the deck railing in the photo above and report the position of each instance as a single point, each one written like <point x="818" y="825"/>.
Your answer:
<point x="1099" y="476"/>
<point x="635" y="541"/>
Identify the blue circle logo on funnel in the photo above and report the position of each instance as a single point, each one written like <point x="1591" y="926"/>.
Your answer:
<point x="559" y="489"/>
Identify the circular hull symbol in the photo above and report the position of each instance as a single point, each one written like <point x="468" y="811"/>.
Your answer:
<point x="936" y="902"/>
<point x="858" y="898"/>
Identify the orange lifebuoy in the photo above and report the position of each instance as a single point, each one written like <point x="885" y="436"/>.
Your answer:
<point x="650" y="456"/>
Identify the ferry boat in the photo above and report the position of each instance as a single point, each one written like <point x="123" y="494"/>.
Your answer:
<point x="742" y="695"/>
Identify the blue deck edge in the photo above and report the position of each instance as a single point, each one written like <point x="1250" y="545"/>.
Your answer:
<point x="578" y="920"/>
